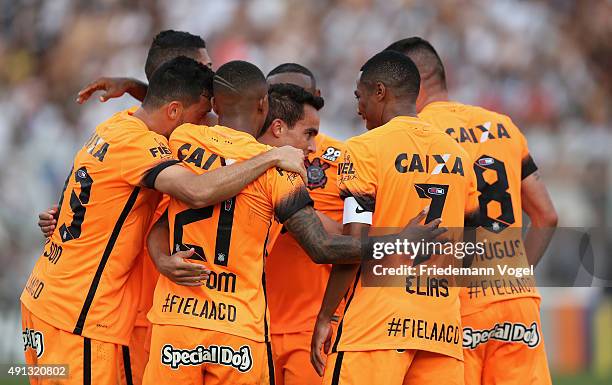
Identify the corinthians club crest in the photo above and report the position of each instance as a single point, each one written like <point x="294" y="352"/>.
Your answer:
<point x="316" y="173"/>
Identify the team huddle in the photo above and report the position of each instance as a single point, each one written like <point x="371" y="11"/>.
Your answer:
<point x="212" y="235"/>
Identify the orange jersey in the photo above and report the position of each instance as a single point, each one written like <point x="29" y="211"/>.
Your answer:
<point x="391" y="173"/>
<point x="230" y="238"/>
<point x="501" y="160"/>
<point x="85" y="281"/>
<point x="295" y="284"/>
<point x="149" y="271"/>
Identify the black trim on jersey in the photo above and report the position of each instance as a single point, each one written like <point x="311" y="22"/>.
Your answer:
<point x="292" y="203"/>
<point x="86" y="361"/>
<point x="61" y="200"/>
<point x="528" y="167"/>
<point x="271" y="369"/>
<point x="266" y="327"/>
<point x="127" y="365"/>
<point x="264" y="254"/>
<point x="151" y="175"/>
<point x="337" y="366"/>
<point x="265" y="247"/>
<point x="224" y="231"/>
<point x="78" y="329"/>
<point x="348" y="302"/>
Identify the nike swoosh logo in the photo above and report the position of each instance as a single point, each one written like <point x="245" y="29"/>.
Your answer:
<point x="359" y="210"/>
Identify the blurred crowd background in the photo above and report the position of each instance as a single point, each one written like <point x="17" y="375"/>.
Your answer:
<point x="544" y="63"/>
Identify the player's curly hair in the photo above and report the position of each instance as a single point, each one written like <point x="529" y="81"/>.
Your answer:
<point x="287" y="104"/>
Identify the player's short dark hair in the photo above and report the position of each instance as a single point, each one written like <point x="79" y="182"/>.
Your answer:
<point x="239" y="77"/>
<point x="287" y="104"/>
<point x="396" y="71"/>
<point x="293" y="68"/>
<point x="169" y="44"/>
<point x="423" y="54"/>
<point x="182" y="79"/>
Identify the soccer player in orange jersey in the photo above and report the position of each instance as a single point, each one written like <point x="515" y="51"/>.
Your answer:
<point x="294" y="298"/>
<point x="166" y="46"/>
<point x="395" y="335"/>
<point x="502" y="335"/>
<point x="78" y="304"/>
<point x="219" y="332"/>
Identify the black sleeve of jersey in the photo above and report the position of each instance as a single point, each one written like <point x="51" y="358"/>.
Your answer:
<point x="528" y="167"/>
<point x="292" y="203"/>
<point x="150" y="177"/>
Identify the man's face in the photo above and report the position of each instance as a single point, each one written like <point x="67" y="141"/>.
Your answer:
<point x="196" y="113"/>
<point x="303" y="133"/>
<point x="367" y="105"/>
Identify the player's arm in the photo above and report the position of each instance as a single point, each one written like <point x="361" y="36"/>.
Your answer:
<point x="173" y="266"/>
<point x="322" y="247"/>
<point x="331" y="226"/>
<point x="113" y="88"/>
<point x="542" y="214"/>
<point x="338" y="285"/>
<point x="225" y="182"/>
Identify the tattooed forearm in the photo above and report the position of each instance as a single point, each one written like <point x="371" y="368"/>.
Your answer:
<point x="307" y="229"/>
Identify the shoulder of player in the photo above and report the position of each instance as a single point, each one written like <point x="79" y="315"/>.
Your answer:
<point x="482" y="114"/>
<point x="373" y="141"/>
<point x="221" y="140"/>
<point x="237" y="144"/>
<point x="186" y="129"/>
<point x="124" y="129"/>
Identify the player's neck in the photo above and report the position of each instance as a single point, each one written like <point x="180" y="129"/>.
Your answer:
<point x="268" y="139"/>
<point x="437" y="94"/>
<point x="154" y="124"/>
<point x="395" y="110"/>
<point x="239" y="123"/>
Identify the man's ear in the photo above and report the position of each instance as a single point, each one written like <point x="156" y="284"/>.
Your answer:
<point x="213" y="103"/>
<point x="174" y="110"/>
<point x="381" y="91"/>
<point x="277" y="127"/>
<point x="317" y="92"/>
<point x="262" y="105"/>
